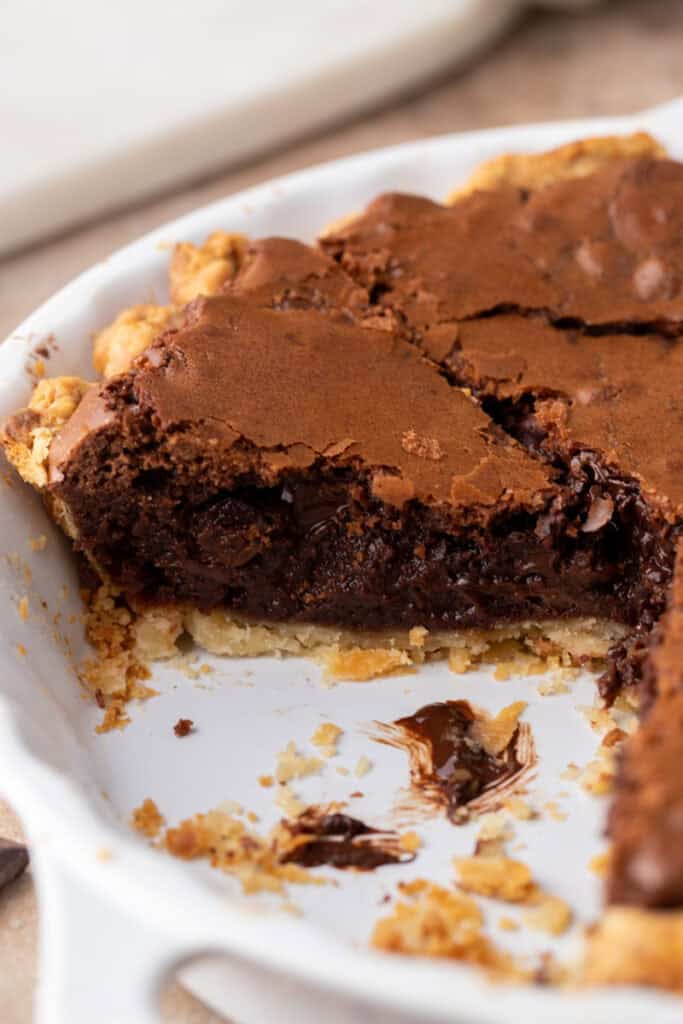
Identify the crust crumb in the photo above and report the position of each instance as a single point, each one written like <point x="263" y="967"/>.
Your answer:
<point x="183" y="727"/>
<point x="288" y="802"/>
<point x="147" y="819"/>
<point x="494" y="826"/>
<point x="293" y="765"/>
<point x="549" y="687"/>
<point x="493" y="835"/>
<point x="497" y="877"/>
<point x="325" y="738"/>
<point x="24" y="609"/>
<point x="520" y="808"/>
<point x="552" y="809"/>
<point x="433" y="921"/>
<point x="552" y="915"/>
<point x="598" y="775"/>
<point x="494" y="734"/>
<point x="124" y="640"/>
<point x="115" y="716"/>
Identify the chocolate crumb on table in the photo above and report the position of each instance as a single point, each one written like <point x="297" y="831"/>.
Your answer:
<point x="184" y="726"/>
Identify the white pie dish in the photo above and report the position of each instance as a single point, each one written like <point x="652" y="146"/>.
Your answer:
<point x="112" y="928"/>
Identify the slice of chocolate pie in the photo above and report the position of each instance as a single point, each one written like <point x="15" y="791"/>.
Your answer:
<point x="443" y="426"/>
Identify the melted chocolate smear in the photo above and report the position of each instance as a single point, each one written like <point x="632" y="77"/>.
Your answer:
<point x="340" y="841"/>
<point x="13" y="861"/>
<point x="449" y="768"/>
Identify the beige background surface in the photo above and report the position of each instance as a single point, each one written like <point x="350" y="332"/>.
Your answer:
<point x="618" y="58"/>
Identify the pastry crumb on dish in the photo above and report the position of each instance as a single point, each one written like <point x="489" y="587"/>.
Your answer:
<point x="497" y="877"/>
<point x="430" y="920"/>
<point x="502" y="878"/>
<point x="326" y="737"/>
<point x="147" y="819"/>
<point x="293" y="765"/>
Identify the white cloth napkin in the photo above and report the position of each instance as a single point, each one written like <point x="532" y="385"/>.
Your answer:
<point x="104" y="103"/>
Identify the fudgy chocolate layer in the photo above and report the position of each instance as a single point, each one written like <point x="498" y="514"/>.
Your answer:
<point x="317" y="547"/>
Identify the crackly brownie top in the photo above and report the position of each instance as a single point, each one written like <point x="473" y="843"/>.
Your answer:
<point x="570" y="297"/>
<point x="281" y="367"/>
<point x="605" y="249"/>
<point x="618" y="394"/>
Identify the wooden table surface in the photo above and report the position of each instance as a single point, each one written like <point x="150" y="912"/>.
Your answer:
<point x="615" y="59"/>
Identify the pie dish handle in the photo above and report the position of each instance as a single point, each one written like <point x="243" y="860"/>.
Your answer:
<point x="98" y="962"/>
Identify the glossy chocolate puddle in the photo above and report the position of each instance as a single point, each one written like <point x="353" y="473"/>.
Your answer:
<point x="320" y="836"/>
<point x="461" y="759"/>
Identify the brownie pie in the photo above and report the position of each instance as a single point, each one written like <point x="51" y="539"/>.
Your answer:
<point x="441" y="425"/>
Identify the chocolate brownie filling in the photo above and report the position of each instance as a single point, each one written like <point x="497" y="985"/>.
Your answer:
<point x="413" y="511"/>
<point x="318" y="548"/>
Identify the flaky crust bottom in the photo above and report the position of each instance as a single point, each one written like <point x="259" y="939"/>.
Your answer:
<point x="224" y="633"/>
<point x="154" y="633"/>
